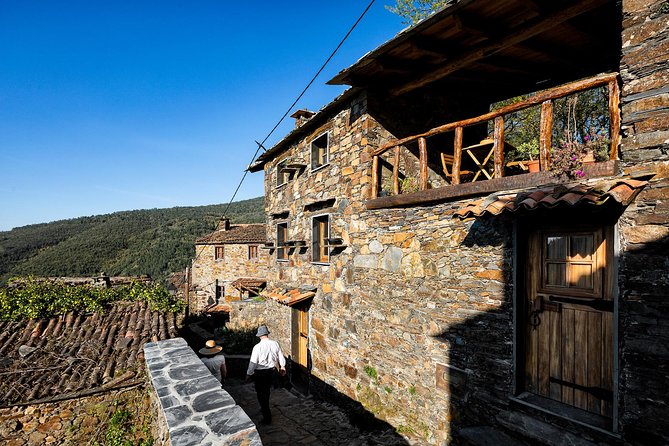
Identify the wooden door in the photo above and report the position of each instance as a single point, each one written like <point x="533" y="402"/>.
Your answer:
<point x="569" y="318"/>
<point x="300" y="348"/>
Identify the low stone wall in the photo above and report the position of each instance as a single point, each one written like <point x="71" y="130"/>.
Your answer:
<point x="196" y="409"/>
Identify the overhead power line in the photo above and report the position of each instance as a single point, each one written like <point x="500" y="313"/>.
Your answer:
<point x="261" y="144"/>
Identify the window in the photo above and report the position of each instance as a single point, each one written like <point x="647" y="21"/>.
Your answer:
<point x="219" y="252"/>
<point x="569" y="263"/>
<point x="320" y="153"/>
<point x="220" y="292"/>
<point x="284" y="173"/>
<point x="281" y="239"/>
<point x="319" y="234"/>
<point x="253" y="252"/>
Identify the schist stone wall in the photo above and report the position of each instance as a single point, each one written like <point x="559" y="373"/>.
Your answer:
<point x="195" y="408"/>
<point x="207" y="271"/>
<point x="413" y="317"/>
<point x="644" y="228"/>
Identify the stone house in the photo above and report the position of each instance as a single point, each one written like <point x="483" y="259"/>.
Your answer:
<point x="424" y="276"/>
<point x="230" y="264"/>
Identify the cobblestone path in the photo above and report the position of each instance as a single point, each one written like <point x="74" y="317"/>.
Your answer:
<point x="302" y="421"/>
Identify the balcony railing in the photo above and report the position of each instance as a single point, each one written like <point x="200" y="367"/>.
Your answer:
<point x="453" y="159"/>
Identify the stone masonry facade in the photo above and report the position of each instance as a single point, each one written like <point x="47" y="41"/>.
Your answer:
<point x="236" y="247"/>
<point x="413" y="316"/>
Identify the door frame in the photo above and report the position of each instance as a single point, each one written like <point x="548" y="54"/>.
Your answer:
<point x="520" y="231"/>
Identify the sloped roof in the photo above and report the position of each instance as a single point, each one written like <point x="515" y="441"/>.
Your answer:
<point x="248" y="282"/>
<point x="621" y="191"/>
<point x="237" y="234"/>
<point x="74" y="353"/>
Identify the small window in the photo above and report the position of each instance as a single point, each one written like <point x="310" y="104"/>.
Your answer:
<point x="281" y="239"/>
<point x="569" y="263"/>
<point x="253" y="252"/>
<point x="219" y="252"/>
<point x="283" y="173"/>
<point x="320" y="252"/>
<point x="320" y="153"/>
<point x="220" y="292"/>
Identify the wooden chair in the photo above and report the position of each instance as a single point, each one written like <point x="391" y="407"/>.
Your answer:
<point x="447" y="164"/>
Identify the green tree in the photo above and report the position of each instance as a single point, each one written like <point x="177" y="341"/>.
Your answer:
<point x="413" y="11"/>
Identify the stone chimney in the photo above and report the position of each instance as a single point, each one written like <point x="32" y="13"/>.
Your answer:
<point x="302" y="116"/>
<point x="224" y="224"/>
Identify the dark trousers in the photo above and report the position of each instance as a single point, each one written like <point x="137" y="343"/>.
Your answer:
<point x="263" y="382"/>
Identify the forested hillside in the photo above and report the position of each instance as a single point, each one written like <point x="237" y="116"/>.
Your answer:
<point x="155" y="242"/>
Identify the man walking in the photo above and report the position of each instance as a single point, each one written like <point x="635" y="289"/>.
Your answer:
<point x="265" y="358"/>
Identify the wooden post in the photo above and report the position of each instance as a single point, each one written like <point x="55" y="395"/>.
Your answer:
<point x="457" y="155"/>
<point x="422" y="149"/>
<point x="498" y="147"/>
<point x="614" y="121"/>
<point x="396" y="171"/>
<point x="375" y="176"/>
<point x="545" y="134"/>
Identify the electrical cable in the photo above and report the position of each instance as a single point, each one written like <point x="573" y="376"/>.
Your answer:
<point x="260" y="145"/>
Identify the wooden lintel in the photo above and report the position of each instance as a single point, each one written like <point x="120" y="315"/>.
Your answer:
<point x="459" y="191"/>
<point x="530" y="29"/>
<point x="551" y="93"/>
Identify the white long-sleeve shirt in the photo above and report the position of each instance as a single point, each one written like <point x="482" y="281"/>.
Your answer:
<point x="266" y="354"/>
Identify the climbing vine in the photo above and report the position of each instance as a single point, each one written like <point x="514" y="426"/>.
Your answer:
<point x="29" y="298"/>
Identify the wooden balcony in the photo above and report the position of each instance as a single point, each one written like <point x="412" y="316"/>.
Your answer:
<point x="486" y="170"/>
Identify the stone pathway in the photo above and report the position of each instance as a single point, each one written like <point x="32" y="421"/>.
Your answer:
<point x="302" y="421"/>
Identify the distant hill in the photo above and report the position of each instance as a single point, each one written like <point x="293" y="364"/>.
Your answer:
<point x="155" y="241"/>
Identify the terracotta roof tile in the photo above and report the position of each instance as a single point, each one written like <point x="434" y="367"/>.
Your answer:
<point x="248" y="282"/>
<point x="621" y="191"/>
<point x="77" y="352"/>
<point x="237" y="234"/>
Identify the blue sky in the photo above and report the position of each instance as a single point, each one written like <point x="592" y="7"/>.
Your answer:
<point x="109" y="106"/>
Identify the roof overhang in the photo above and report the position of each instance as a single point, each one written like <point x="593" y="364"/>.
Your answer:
<point x="620" y="192"/>
<point x="502" y="42"/>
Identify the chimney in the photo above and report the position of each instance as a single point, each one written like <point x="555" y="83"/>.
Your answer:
<point x="224" y="224"/>
<point x="302" y="116"/>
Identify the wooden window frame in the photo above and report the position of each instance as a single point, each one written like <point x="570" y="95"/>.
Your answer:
<point x="219" y="252"/>
<point x="253" y="249"/>
<point x="320" y="252"/>
<point x="281" y="248"/>
<point x="315" y="161"/>
<point x="220" y="292"/>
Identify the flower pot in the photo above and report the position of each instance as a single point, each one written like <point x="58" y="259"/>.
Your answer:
<point x="533" y="166"/>
<point x="589" y="157"/>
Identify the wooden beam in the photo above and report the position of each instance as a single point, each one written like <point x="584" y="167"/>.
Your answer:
<point x="498" y="147"/>
<point x="530" y="29"/>
<point x="457" y="155"/>
<point x="551" y="93"/>
<point x="422" y="150"/>
<point x="545" y="134"/>
<point x="614" y="118"/>
<point x="375" y="176"/>
<point x="396" y="171"/>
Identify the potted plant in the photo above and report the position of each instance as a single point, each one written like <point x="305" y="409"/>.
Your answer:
<point x="568" y="160"/>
